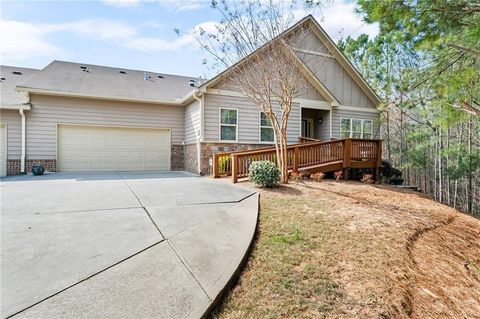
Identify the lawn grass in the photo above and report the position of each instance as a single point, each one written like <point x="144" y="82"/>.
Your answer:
<point x="335" y="250"/>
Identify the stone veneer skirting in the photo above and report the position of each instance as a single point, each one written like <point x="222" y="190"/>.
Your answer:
<point x="191" y="158"/>
<point x="177" y="158"/>
<point x="210" y="148"/>
<point x="183" y="157"/>
<point x="13" y="165"/>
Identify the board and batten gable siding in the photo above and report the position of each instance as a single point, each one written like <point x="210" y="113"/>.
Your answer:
<point x="305" y="91"/>
<point x="354" y="114"/>
<point x="48" y="111"/>
<point x="14" y="132"/>
<point x="330" y="72"/>
<point x="192" y="122"/>
<point x="248" y="119"/>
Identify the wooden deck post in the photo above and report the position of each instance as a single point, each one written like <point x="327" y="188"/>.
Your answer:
<point x="215" y="166"/>
<point x="296" y="155"/>
<point x="347" y="157"/>
<point x="234" y="168"/>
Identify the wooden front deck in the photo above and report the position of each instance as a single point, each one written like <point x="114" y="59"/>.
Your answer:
<point x="309" y="156"/>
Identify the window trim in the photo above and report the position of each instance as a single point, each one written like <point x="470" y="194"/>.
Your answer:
<point x="351" y="127"/>
<point x="260" y="130"/>
<point x="350" y="131"/>
<point x="371" y="128"/>
<point x="220" y="124"/>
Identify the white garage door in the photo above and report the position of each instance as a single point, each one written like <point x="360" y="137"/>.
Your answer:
<point x="3" y="150"/>
<point x="101" y="148"/>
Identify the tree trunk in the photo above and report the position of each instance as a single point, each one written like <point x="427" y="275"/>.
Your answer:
<point x="284" y="155"/>
<point x="469" y="176"/>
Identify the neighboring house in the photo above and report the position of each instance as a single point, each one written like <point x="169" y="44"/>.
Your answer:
<point x="79" y="117"/>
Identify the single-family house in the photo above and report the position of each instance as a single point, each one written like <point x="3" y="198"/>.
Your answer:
<point x="82" y="117"/>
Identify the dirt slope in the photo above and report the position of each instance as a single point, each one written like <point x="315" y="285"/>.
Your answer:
<point x="349" y="250"/>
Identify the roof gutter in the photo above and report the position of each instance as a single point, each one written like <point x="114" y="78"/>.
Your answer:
<point x="25" y="106"/>
<point x="101" y="97"/>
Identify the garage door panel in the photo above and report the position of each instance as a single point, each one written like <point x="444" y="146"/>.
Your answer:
<point x="96" y="148"/>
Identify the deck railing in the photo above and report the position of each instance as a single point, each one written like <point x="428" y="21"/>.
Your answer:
<point x="302" y="139"/>
<point x="343" y="153"/>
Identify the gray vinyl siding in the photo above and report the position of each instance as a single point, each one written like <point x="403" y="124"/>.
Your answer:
<point x="324" y="128"/>
<point x="48" y="111"/>
<point x="14" y="132"/>
<point x="338" y="114"/>
<point x="192" y="122"/>
<point x="248" y="119"/>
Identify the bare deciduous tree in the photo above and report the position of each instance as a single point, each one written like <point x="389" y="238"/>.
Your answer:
<point x="260" y="60"/>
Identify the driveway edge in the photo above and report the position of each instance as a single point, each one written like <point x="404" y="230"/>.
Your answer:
<point x="231" y="283"/>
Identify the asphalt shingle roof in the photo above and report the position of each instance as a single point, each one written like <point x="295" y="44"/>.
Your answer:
<point x="108" y="82"/>
<point x="8" y="95"/>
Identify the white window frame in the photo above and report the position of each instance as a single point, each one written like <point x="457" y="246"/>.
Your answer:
<point x="260" y="129"/>
<point x="350" y="131"/>
<point x="220" y="124"/>
<point x="371" y="128"/>
<point x="351" y="126"/>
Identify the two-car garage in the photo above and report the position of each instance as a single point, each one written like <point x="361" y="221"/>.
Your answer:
<point x="110" y="148"/>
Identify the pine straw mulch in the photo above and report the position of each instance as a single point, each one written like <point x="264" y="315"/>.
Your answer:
<point x="351" y="250"/>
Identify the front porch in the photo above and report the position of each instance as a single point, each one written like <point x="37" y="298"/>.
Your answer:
<point x="315" y="124"/>
<point x="309" y="157"/>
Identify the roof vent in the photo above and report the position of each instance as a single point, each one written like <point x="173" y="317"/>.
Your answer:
<point x="146" y="76"/>
<point x="2" y="79"/>
<point x="17" y="72"/>
<point x="83" y="67"/>
<point x="160" y="76"/>
<point x="122" y="72"/>
<point x="191" y="83"/>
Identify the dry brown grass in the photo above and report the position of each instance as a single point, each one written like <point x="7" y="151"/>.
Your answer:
<point x="350" y="250"/>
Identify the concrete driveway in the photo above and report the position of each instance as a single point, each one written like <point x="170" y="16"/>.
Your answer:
<point x="120" y="245"/>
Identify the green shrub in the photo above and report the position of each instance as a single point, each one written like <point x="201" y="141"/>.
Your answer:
<point x="264" y="173"/>
<point x="224" y="164"/>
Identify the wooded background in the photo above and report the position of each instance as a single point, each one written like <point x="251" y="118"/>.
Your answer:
<point x="425" y="65"/>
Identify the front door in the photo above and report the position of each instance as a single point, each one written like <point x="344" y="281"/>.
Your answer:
<point x="307" y="128"/>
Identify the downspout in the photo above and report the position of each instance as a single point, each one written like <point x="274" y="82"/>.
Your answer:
<point x="22" y="158"/>
<point x="199" y="134"/>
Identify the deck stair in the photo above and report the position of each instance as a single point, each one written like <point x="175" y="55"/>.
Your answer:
<point x="311" y="155"/>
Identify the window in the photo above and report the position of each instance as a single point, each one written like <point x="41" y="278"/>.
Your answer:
<point x="345" y="128"/>
<point x="367" y="129"/>
<point x="356" y="128"/>
<point x="228" y="124"/>
<point x="266" y="129"/>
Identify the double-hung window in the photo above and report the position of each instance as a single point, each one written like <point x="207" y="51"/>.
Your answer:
<point x="356" y="128"/>
<point x="345" y="127"/>
<point x="228" y="124"/>
<point x="266" y="129"/>
<point x="367" y="129"/>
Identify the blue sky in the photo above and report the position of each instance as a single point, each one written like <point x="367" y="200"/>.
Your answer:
<point x="135" y="34"/>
